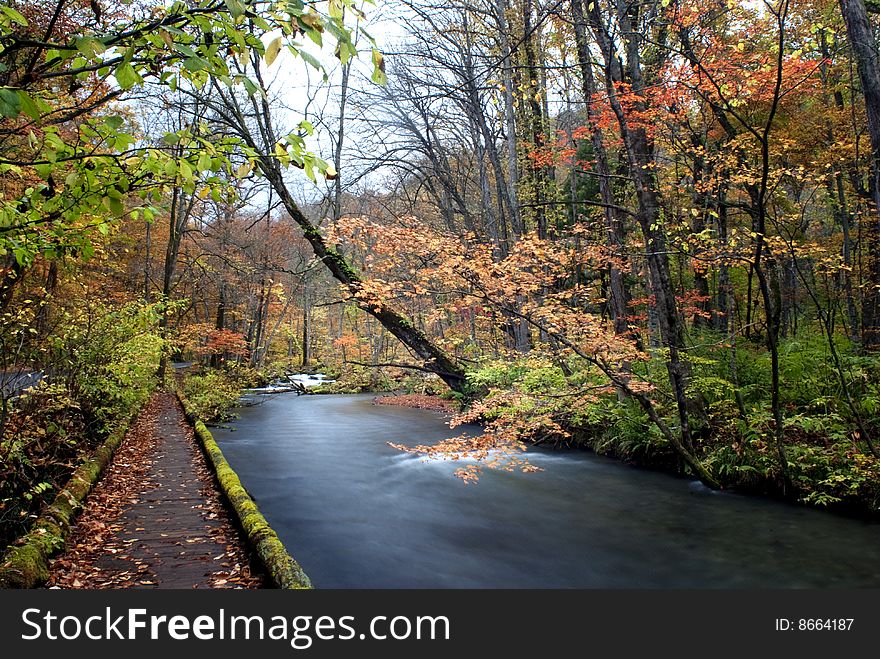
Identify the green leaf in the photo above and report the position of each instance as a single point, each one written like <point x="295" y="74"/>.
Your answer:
<point x="345" y="50"/>
<point x="236" y="7"/>
<point x="272" y="50"/>
<point x="260" y="22"/>
<point x="114" y="122"/>
<point x="115" y="205"/>
<point x="195" y="64"/>
<point x="127" y="77"/>
<point x="312" y="25"/>
<point x="28" y="105"/>
<point x="250" y="87"/>
<point x="185" y="50"/>
<point x="54" y="142"/>
<point x="14" y="16"/>
<point x="10" y="103"/>
<point x="123" y="141"/>
<point x="52" y="54"/>
<point x="308" y="58"/>
<point x="90" y="47"/>
<point x="339" y="32"/>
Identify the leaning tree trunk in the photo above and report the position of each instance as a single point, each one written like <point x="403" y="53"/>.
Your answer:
<point x="436" y="360"/>
<point x="262" y="140"/>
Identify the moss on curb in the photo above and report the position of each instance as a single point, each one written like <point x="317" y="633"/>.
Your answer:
<point x="25" y="563"/>
<point x="282" y="569"/>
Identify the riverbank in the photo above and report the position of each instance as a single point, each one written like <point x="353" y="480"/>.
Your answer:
<point x="825" y="475"/>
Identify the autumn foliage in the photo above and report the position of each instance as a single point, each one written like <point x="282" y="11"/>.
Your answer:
<point x="647" y="228"/>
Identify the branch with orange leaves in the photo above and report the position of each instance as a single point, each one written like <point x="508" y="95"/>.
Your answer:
<point x="623" y="381"/>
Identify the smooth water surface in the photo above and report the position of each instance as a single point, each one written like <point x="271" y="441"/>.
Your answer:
<point x="357" y="513"/>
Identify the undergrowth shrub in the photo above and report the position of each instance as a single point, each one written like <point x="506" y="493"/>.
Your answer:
<point x="94" y="370"/>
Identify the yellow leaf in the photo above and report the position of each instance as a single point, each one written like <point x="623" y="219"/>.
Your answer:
<point x="272" y="50"/>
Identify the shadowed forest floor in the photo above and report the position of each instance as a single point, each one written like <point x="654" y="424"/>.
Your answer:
<point x="156" y="519"/>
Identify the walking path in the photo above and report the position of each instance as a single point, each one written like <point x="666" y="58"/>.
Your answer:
<point x="156" y="519"/>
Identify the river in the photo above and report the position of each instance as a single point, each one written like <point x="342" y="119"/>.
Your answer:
<point x="357" y="513"/>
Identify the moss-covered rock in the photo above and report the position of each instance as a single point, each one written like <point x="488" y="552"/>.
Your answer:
<point x="282" y="569"/>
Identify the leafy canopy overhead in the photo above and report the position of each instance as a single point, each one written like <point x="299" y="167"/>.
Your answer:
<point x="72" y="161"/>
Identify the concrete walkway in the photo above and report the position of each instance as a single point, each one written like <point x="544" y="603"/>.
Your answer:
<point x="156" y="520"/>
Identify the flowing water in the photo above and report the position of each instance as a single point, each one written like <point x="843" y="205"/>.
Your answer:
<point x="357" y="513"/>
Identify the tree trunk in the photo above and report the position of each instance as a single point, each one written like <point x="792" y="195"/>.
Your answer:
<point x="618" y="297"/>
<point x="540" y="176"/>
<point x="306" y="329"/>
<point x="42" y="319"/>
<point x="639" y="153"/>
<point x="10" y="276"/>
<point x="843" y="217"/>
<point x="181" y="208"/>
<point x="220" y="320"/>
<point x="864" y="47"/>
<point x="493" y="222"/>
<point x="148" y="247"/>
<point x="508" y="76"/>
<point x="340" y="138"/>
<point x="722" y="314"/>
<point x="837" y="194"/>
